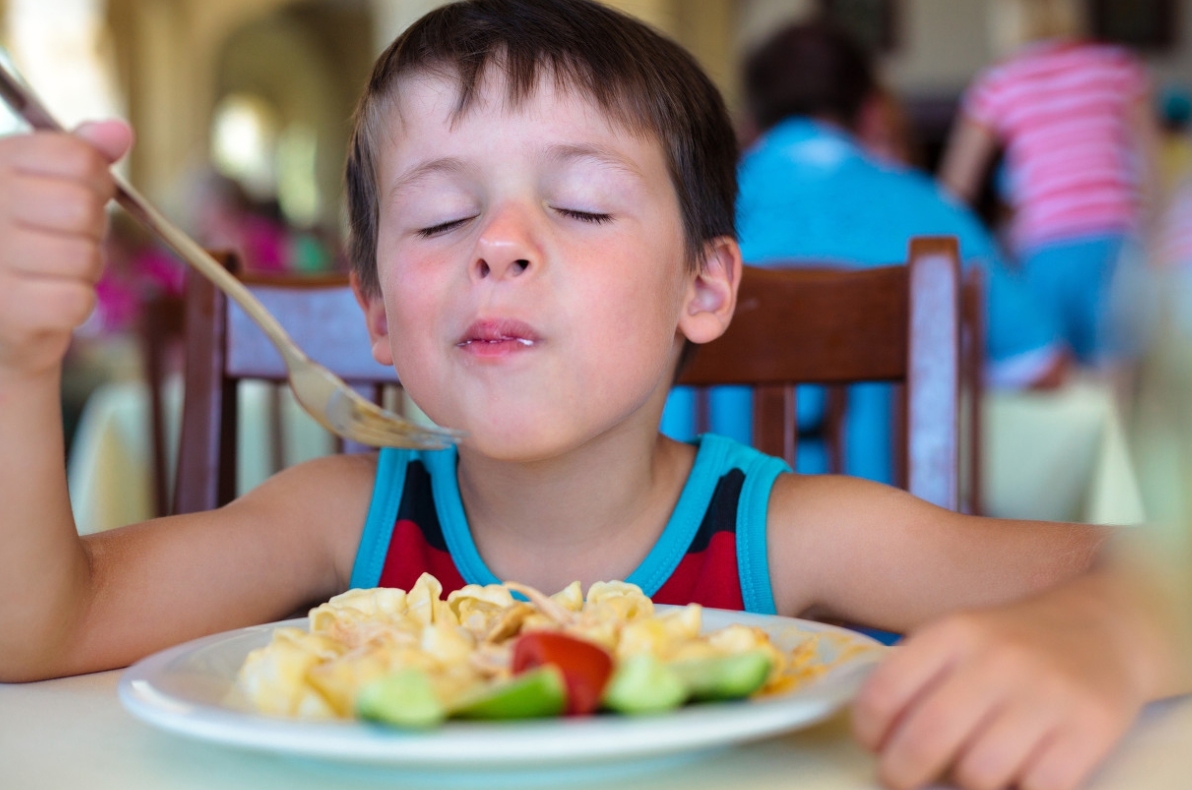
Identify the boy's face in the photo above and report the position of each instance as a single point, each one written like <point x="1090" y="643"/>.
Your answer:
<point x="532" y="268"/>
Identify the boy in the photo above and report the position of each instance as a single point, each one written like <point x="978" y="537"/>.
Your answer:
<point x="541" y="200"/>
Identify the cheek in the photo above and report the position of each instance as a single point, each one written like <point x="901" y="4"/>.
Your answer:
<point x="641" y="313"/>
<point x="410" y="308"/>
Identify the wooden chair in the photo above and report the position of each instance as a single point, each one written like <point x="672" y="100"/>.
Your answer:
<point x="161" y="336"/>
<point x="900" y="324"/>
<point x="897" y="324"/>
<point x="224" y="347"/>
<point x="972" y="378"/>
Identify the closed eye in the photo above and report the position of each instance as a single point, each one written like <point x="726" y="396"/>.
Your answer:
<point x="435" y="230"/>
<point x="585" y="216"/>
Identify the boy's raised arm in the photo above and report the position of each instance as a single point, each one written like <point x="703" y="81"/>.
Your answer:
<point x="71" y="605"/>
<point x="54" y="188"/>
<point x="1031" y="647"/>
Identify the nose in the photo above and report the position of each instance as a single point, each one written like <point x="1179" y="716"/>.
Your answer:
<point x="507" y="246"/>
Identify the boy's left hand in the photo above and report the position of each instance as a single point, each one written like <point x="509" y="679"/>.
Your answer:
<point x="1032" y="695"/>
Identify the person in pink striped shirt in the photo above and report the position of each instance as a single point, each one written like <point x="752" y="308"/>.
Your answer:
<point x="1075" y="122"/>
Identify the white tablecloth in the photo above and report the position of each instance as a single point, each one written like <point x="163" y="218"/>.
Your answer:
<point x="73" y="733"/>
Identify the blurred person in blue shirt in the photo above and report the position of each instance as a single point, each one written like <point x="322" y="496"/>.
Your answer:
<point x="812" y="190"/>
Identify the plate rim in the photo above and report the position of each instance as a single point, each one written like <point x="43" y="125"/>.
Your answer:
<point x="556" y="742"/>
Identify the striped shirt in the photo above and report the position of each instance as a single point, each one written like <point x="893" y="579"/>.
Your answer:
<point x="1062" y="111"/>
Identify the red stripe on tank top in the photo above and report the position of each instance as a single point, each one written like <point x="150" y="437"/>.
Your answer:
<point x="410" y="555"/>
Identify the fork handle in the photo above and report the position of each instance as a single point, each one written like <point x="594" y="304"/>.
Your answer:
<point x="25" y="103"/>
<point x="191" y="252"/>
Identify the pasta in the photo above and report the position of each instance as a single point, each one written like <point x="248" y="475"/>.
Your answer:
<point x="462" y="645"/>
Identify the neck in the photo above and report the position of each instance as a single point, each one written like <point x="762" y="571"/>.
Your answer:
<point x="592" y="514"/>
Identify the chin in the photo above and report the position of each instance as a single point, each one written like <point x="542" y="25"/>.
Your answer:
<point x="515" y="441"/>
<point x="513" y="448"/>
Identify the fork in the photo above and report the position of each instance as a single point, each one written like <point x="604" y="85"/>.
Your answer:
<point x="325" y="396"/>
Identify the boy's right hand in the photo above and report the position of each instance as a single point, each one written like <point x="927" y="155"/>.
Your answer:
<point x="53" y="189"/>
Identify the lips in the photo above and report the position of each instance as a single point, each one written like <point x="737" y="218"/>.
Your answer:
<point x="491" y="337"/>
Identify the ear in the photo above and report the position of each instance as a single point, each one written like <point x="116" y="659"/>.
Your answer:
<point x="712" y="292"/>
<point x="376" y="320"/>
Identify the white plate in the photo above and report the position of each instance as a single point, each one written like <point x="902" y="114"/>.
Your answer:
<point x="183" y="690"/>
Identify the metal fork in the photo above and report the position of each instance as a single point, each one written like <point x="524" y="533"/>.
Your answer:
<point x="325" y="396"/>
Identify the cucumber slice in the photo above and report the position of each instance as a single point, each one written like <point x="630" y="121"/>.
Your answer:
<point x="534" y="694"/>
<point x="724" y="677"/>
<point x="643" y="684"/>
<point x="405" y="698"/>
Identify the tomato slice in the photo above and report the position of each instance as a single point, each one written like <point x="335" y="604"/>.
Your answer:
<point x="586" y="667"/>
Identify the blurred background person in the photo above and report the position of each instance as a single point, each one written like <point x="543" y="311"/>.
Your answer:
<point x="227" y="217"/>
<point x="1173" y="107"/>
<point x="1075" y="119"/>
<point x="821" y="186"/>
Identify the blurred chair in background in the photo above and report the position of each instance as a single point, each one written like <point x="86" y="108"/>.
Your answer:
<point x="225" y="348"/>
<point x="161" y="327"/>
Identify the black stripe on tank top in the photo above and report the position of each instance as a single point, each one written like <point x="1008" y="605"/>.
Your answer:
<point x="418" y="505"/>
<point x="722" y="510"/>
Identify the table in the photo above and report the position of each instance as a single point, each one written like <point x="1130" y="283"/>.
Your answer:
<point x="73" y="732"/>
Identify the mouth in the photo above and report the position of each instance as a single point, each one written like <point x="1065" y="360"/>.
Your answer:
<point x="497" y="337"/>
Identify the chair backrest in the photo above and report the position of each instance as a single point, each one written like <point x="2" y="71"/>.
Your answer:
<point x="899" y="324"/>
<point x="972" y="377"/>
<point x="839" y="326"/>
<point x="224" y="347"/>
<point x="161" y="337"/>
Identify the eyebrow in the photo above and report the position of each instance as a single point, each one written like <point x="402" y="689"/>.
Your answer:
<point x="560" y="154"/>
<point x="600" y="155"/>
<point x="446" y="164"/>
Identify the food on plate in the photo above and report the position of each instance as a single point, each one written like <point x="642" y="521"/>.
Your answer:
<point x="412" y="659"/>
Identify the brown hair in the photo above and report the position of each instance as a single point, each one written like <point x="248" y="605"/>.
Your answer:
<point x="642" y="80"/>
<point x="808" y="69"/>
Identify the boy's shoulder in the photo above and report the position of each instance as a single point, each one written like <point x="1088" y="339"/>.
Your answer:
<point x="821" y="526"/>
<point x="326" y="498"/>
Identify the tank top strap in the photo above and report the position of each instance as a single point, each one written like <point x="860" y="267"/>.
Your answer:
<point x="753" y="564"/>
<point x="439" y="486"/>
<point x="716" y="457"/>
<point x="388" y="488"/>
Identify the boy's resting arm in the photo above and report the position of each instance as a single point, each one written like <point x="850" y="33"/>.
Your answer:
<point x="873" y="555"/>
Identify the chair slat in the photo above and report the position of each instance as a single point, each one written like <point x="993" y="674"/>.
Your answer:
<point x="775" y="431"/>
<point x="314" y="318"/>
<point x="933" y="373"/>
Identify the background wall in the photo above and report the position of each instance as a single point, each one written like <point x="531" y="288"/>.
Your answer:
<point x="176" y="59"/>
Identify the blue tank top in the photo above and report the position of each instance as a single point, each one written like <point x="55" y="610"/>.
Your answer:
<point x="712" y="550"/>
